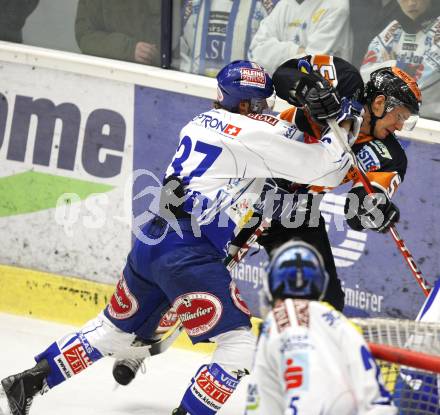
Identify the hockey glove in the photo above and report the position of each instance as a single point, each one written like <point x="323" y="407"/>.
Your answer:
<point x="375" y="211"/>
<point x="353" y="111"/>
<point x="317" y="96"/>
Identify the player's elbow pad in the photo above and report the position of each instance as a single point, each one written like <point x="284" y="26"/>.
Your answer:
<point x="338" y="160"/>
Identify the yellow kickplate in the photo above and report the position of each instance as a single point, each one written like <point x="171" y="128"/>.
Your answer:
<point x="51" y="297"/>
<point x="63" y="299"/>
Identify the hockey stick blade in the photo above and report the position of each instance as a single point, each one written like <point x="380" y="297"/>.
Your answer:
<point x="164" y="343"/>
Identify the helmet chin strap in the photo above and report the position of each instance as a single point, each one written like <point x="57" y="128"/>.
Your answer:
<point x="374" y="118"/>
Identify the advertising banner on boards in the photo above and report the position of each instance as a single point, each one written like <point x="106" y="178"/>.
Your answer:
<point x="65" y="155"/>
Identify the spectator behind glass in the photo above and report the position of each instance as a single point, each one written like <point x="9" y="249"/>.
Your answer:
<point x="412" y="41"/>
<point x="127" y="30"/>
<point x="368" y="18"/>
<point x="296" y="28"/>
<point x="13" y="14"/>
<point x="216" y="32"/>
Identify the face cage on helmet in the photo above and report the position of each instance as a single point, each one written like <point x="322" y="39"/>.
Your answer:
<point x="266" y="298"/>
<point x="392" y="103"/>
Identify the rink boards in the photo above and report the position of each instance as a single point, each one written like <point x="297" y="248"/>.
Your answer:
<point x="75" y="132"/>
<point x="72" y="301"/>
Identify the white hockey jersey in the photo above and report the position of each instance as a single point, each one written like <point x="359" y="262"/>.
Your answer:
<point x="417" y="54"/>
<point x="298" y="28"/>
<point x="312" y="360"/>
<point x="224" y="159"/>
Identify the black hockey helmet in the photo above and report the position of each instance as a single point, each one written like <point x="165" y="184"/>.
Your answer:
<point x="399" y="89"/>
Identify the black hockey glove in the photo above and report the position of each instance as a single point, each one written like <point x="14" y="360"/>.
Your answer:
<point x="316" y="95"/>
<point x="375" y="212"/>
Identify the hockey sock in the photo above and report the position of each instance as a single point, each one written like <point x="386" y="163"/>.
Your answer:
<point x="67" y="357"/>
<point x="210" y="388"/>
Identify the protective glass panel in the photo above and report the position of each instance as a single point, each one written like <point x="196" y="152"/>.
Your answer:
<point x="116" y="29"/>
<point x="207" y="34"/>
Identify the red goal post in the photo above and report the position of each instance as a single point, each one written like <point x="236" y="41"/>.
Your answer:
<point x="408" y="353"/>
<point x="405" y="357"/>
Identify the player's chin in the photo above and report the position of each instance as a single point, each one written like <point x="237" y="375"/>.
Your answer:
<point x="383" y="133"/>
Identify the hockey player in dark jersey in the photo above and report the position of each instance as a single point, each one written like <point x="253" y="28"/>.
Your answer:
<point x="391" y="101"/>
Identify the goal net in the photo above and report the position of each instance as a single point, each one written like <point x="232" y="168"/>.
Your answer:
<point x="408" y="353"/>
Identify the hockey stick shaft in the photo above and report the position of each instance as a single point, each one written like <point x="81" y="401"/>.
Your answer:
<point x="232" y="260"/>
<point x="164" y="343"/>
<point x="356" y="172"/>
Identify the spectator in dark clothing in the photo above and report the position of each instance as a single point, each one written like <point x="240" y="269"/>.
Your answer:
<point x="127" y="30"/>
<point x="13" y="15"/>
<point x="368" y="18"/>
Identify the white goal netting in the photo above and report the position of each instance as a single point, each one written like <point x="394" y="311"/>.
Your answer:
<point x="408" y="353"/>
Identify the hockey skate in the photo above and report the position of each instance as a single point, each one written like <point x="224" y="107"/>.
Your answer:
<point x="18" y="391"/>
<point x="124" y="370"/>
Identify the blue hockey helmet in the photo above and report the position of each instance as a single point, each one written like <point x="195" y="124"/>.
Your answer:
<point x="296" y="271"/>
<point x="244" y="81"/>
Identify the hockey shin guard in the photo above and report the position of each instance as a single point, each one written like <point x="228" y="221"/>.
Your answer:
<point x="67" y="357"/>
<point x="210" y="388"/>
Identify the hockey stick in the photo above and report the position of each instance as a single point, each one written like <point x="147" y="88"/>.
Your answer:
<point x="232" y="260"/>
<point x="167" y="340"/>
<point x="356" y="172"/>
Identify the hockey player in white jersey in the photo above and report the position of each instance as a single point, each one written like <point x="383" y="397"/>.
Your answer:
<point x="310" y="359"/>
<point x="219" y="170"/>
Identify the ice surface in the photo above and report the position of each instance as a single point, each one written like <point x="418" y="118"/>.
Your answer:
<point x="93" y="392"/>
